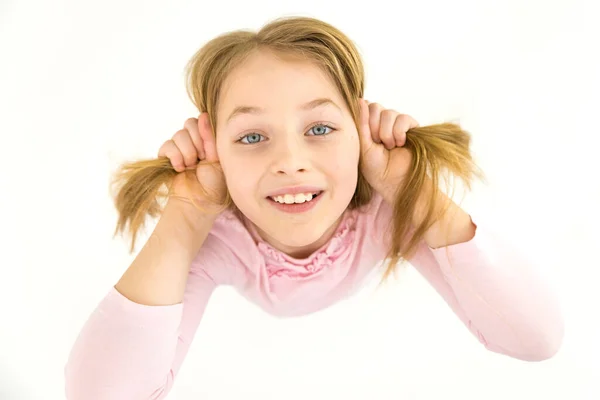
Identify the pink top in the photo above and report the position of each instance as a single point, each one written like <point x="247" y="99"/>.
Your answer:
<point x="132" y="351"/>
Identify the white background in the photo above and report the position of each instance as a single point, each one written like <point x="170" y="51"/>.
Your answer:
<point x="85" y="85"/>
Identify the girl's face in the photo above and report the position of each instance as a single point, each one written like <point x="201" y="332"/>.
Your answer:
<point x="283" y="124"/>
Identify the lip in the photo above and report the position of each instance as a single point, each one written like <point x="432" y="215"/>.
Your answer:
<point x="295" y="190"/>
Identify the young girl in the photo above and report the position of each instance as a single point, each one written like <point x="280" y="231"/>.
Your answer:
<point x="291" y="188"/>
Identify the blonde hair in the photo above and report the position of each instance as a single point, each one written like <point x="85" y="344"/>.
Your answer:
<point x="435" y="149"/>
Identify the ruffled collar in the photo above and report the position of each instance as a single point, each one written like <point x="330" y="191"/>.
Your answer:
<point x="279" y="264"/>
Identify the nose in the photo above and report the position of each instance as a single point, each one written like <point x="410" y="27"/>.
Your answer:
<point x="290" y="156"/>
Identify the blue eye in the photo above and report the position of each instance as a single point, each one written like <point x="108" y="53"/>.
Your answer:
<point x="322" y="128"/>
<point x="252" y="138"/>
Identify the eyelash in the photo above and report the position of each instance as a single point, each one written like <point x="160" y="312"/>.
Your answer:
<point x="312" y="127"/>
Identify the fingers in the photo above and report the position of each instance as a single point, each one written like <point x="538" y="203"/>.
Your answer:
<point x="208" y="138"/>
<point x="179" y="150"/>
<point x="184" y="143"/>
<point x="364" y="129"/>
<point x="182" y="148"/>
<point x="191" y="124"/>
<point x="386" y="128"/>
<point x="403" y="124"/>
<point x="374" y="120"/>
<point x="170" y="150"/>
<point x="194" y="142"/>
<point x="399" y="132"/>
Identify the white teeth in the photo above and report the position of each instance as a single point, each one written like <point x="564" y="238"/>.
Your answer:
<point x="290" y="198"/>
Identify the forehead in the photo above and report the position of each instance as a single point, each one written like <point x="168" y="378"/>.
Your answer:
<point x="275" y="79"/>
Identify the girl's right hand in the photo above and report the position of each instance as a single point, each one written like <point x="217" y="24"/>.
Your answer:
<point x="193" y="153"/>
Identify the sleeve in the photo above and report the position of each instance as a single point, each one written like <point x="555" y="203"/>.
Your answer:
<point x="495" y="290"/>
<point x="131" y="351"/>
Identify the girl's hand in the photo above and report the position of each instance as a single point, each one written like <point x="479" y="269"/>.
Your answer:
<point x="384" y="160"/>
<point x="193" y="152"/>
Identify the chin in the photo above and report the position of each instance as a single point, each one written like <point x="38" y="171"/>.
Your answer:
<point x="299" y="239"/>
<point x="298" y="234"/>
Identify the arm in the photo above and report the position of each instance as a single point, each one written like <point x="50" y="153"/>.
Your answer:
<point x="134" y="343"/>
<point x="497" y="293"/>
<point x="490" y="285"/>
<point x="158" y="275"/>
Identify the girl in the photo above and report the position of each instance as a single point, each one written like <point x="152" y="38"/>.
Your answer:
<point x="290" y="187"/>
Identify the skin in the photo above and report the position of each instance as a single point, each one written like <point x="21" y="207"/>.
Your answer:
<point x="283" y="145"/>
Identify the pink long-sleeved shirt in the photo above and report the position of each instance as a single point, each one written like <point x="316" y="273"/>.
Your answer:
<point x="132" y="351"/>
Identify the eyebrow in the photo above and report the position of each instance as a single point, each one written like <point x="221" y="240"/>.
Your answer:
<point x="322" y="101"/>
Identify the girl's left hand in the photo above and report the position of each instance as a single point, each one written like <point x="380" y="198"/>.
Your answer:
<point x="382" y="132"/>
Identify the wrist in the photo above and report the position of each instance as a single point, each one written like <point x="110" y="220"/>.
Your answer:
<point x="186" y="223"/>
<point x="190" y="213"/>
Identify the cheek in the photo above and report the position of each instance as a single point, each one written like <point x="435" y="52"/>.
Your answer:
<point x="344" y="167"/>
<point x="241" y="177"/>
<point x="343" y="162"/>
<point x="347" y="153"/>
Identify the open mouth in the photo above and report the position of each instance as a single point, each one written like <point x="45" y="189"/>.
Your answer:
<point x="299" y="198"/>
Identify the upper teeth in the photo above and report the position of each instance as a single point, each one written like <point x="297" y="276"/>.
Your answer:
<point x="291" y="198"/>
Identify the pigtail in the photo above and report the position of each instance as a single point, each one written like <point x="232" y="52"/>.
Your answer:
<point x="137" y="188"/>
<point x="439" y="152"/>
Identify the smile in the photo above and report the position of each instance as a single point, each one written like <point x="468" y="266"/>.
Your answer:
<point x="297" y="203"/>
<point x="295" y="198"/>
